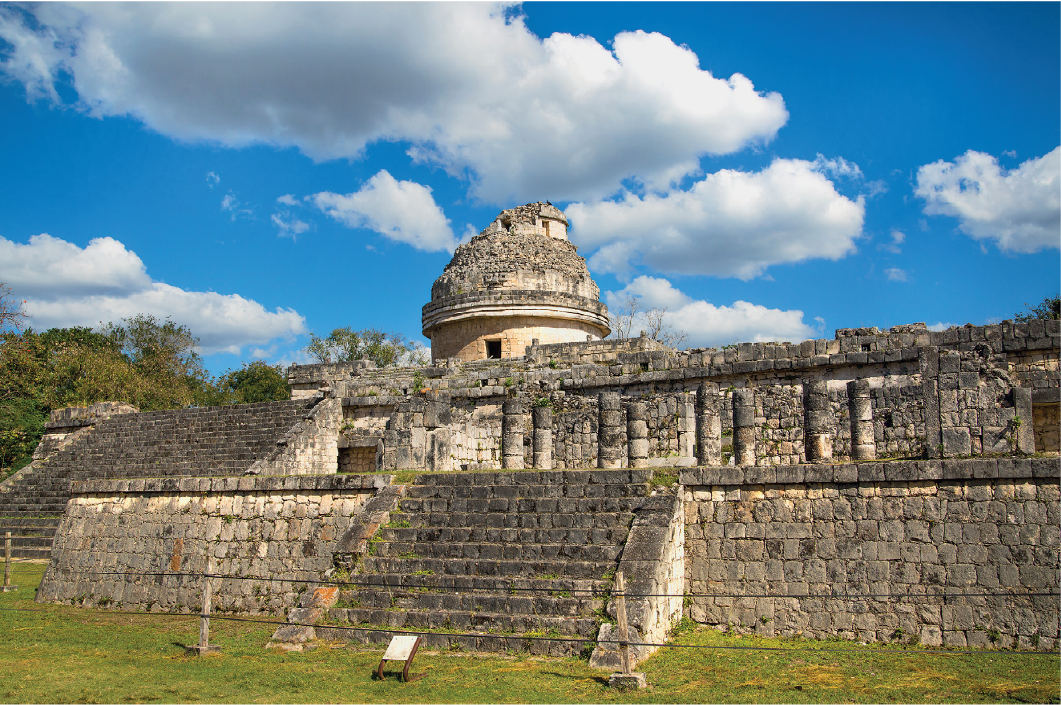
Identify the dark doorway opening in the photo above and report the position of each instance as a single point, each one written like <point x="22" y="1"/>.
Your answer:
<point x="493" y="349"/>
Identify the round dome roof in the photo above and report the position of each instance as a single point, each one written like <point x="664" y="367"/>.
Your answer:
<point x="517" y="281"/>
<point x="518" y="251"/>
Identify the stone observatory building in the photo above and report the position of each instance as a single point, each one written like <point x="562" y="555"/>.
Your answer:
<point x="520" y="281"/>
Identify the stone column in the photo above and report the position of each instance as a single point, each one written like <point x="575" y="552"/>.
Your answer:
<point x="744" y="426"/>
<point x="708" y="425"/>
<point x="860" y="408"/>
<point x="543" y="437"/>
<point x="928" y="364"/>
<point x="1025" y="432"/>
<point x="512" y="434"/>
<point x="609" y="434"/>
<point x="817" y="421"/>
<point x="637" y="434"/>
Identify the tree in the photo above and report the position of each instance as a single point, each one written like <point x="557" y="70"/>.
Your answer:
<point x="1049" y="308"/>
<point x="255" y="382"/>
<point x="630" y="315"/>
<point x="11" y="313"/>
<point x="169" y="373"/>
<point x="142" y="361"/>
<point x="345" y="344"/>
<point x="622" y="318"/>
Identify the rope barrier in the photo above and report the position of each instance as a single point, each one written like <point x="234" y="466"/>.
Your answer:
<point x="580" y="640"/>
<point x="385" y="586"/>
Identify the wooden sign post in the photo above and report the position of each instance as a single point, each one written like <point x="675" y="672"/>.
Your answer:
<point x="8" y="587"/>
<point x="204" y="616"/>
<point x="624" y="632"/>
<point x="625" y="679"/>
<point x="402" y="648"/>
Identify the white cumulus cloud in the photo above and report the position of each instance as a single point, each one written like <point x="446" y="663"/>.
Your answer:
<point x="731" y="223"/>
<point x="404" y="211"/>
<point x="895" y="274"/>
<point x="466" y="85"/>
<point x="48" y="267"/>
<point x="65" y="285"/>
<point x="1020" y="208"/>
<point x="708" y="325"/>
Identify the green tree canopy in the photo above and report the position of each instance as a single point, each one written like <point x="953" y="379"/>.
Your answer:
<point x="142" y="361"/>
<point x="255" y="382"/>
<point x="1048" y="308"/>
<point x="345" y="344"/>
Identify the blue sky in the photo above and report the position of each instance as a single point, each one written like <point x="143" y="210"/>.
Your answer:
<point x="763" y="171"/>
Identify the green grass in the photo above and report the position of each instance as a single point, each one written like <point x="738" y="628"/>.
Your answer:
<point x="68" y="654"/>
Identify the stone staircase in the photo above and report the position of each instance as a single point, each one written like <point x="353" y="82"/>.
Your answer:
<point x="499" y="555"/>
<point x="210" y="441"/>
<point x="31" y="536"/>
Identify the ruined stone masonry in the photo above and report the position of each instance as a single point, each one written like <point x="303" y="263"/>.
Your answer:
<point x="895" y="485"/>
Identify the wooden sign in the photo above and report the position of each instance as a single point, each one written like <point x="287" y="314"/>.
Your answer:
<point x="402" y="648"/>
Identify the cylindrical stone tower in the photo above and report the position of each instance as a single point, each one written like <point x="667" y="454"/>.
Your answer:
<point x="518" y="280"/>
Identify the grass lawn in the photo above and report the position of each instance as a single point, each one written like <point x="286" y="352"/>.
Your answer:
<point x="69" y="654"/>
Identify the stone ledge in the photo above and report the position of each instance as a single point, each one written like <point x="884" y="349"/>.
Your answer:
<point x="888" y="471"/>
<point x="296" y="483"/>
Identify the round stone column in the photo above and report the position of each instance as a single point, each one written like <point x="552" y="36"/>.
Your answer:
<point x="637" y="434"/>
<point x="512" y="434"/>
<point x="609" y="434"/>
<point x="543" y="437"/>
<point x="860" y="409"/>
<point x="744" y="426"/>
<point x="708" y="425"/>
<point x="817" y="421"/>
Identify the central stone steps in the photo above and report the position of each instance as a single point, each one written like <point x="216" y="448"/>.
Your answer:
<point x="498" y="556"/>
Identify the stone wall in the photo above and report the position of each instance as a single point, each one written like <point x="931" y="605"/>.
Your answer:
<point x="955" y="393"/>
<point x="868" y="551"/>
<point x="310" y="447"/>
<point x="653" y="566"/>
<point x="1047" y="423"/>
<point x="357" y="459"/>
<point x="1046" y="419"/>
<point x="278" y="529"/>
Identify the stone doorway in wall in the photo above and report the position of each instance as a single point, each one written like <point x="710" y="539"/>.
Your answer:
<point x="357" y="460"/>
<point x="493" y="349"/>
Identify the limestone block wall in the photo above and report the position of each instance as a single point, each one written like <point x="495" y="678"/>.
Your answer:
<point x="653" y="566"/>
<point x="311" y="447"/>
<point x="357" y="459"/>
<point x="868" y="551"/>
<point x="1047" y="428"/>
<point x="962" y="392"/>
<point x="278" y="529"/>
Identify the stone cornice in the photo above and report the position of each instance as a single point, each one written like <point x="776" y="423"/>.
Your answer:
<point x="498" y="304"/>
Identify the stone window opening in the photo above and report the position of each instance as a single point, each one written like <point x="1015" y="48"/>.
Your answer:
<point x="493" y="349"/>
